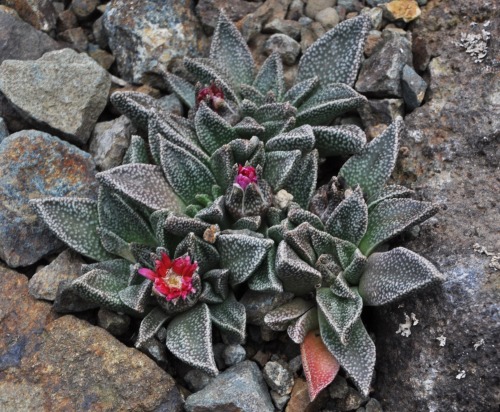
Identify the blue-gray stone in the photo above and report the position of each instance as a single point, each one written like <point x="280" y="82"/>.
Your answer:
<point x="33" y="165"/>
<point x="146" y="35"/>
<point x="239" y="388"/>
<point x="414" y="88"/>
<point x="234" y="354"/>
<point x="4" y="132"/>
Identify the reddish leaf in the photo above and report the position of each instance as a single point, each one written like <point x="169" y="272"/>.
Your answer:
<point x="320" y="367"/>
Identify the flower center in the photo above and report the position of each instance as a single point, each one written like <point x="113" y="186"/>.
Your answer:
<point x="212" y="95"/>
<point x="173" y="280"/>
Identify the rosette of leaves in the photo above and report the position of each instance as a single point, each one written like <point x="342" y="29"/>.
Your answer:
<point x="334" y="264"/>
<point x="127" y="230"/>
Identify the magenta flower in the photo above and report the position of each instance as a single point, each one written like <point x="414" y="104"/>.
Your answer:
<point x="212" y="95"/>
<point x="245" y="176"/>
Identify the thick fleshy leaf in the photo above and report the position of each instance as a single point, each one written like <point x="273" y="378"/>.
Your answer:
<point x="301" y="182"/>
<point x="248" y="222"/>
<point x="215" y="213"/>
<point x="185" y="173"/>
<point x="299" y="329"/>
<point x="136" y="106"/>
<point x="113" y="266"/>
<point x="274" y="111"/>
<point x="297" y="276"/>
<point x="200" y="251"/>
<point x="278" y="319"/>
<point x="212" y="130"/>
<point x="102" y="287"/>
<point x="391" y="217"/>
<point x="389" y="192"/>
<point x="339" y="140"/>
<point x="298" y="216"/>
<point x="150" y="326"/>
<point x="183" y="89"/>
<point x="329" y="269"/>
<point x="137" y="297"/>
<point x="279" y="166"/>
<point x="371" y="168"/>
<point x="340" y="313"/>
<point x="357" y="357"/>
<point x="75" y="222"/>
<point x="115" y="245"/>
<point x="265" y="278"/>
<point x="301" y="91"/>
<point x="270" y="77"/>
<point x="142" y="183"/>
<point x="116" y="216"/>
<point x="251" y="93"/>
<point x="335" y="57"/>
<point x="219" y="279"/>
<point x="242" y="254"/>
<point x="189" y="338"/>
<point x="248" y="127"/>
<point x="349" y="220"/>
<point x="320" y="366"/>
<point x="230" y="317"/>
<point x="344" y="251"/>
<point x="230" y="49"/>
<point x="390" y="275"/>
<point x="353" y="272"/>
<point x="137" y="152"/>
<point x="301" y="138"/>
<point x="300" y="241"/>
<point x="180" y="225"/>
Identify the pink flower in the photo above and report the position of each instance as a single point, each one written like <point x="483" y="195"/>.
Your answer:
<point x="212" y="95"/>
<point x="246" y="175"/>
<point x="172" y="279"/>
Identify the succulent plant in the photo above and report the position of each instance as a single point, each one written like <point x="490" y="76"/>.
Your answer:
<point x="333" y="263"/>
<point x="226" y="200"/>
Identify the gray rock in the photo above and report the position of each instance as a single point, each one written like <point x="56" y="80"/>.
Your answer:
<point x="66" y="19"/>
<point x="374" y="3"/>
<point x="40" y="14"/>
<point x="218" y="349"/>
<point x="290" y="28"/>
<point x="373" y="406"/>
<point x="171" y="104"/>
<point x="461" y="141"/>
<point x="240" y="388"/>
<point x="351" y="400"/>
<point x="313" y="7"/>
<point x="372" y="40"/>
<point x="83" y="9"/>
<point x="377" y="114"/>
<point x="32" y="165"/>
<point x="157" y="351"/>
<point x="339" y="388"/>
<point x="421" y="54"/>
<point x="381" y="73"/>
<point x="197" y="379"/>
<point x="350" y="5"/>
<point x="99" y="33"/>
<point x="258" y="304"/>
<point x="50" y="92"/>
<point x="76" y="37"/>
<point x="208" y="11"/>
<point x="278" y="377"/>
<point x="45" y="282"/>
<point x="146" y="35"/>
<point x="376" y="16"/>
<point x="279" y="400"/>
<point x="68" y="301"/>
<point x="4" y="132"/>
<point x="295" y="10"/>
<point x="295" y="364"/>
<point x="234" y="354"/>
<point x="287" y="47"/>
<point x="328" y="18"/>
<point x="115" y="323"/>
<point x="414" y="88"/>
<point x="21" y="41"/>
<point x="110" y="141"/>
<point x="101" y="56"/>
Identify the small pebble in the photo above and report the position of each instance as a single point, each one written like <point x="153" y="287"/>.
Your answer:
<point x="233" y="354"/>
<point x="197" y="379"/>
<point x="278" y="377"/>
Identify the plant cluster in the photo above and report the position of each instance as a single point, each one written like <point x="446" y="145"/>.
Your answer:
<point x="226" y="200"/>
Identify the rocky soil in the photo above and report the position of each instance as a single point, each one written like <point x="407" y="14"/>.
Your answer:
<point x="435" y="62"/>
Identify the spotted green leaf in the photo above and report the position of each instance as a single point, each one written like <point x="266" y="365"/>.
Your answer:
<point x="301" y="138"/>
<point x="339" y="140"/>
<point x="183" y="89"/>
<point x="301" y="182"/>
<point x="303" y="325"/>
<point x="270" y="77"/>
<point x="150" y="326"/>
<point x="265" y="278"/>
<point x="230" y="317"/>
<point x="212" y="130"/>
<point x="279" y="166"/>
<point x="137" y="152"/>
<point x="278" y="319"/>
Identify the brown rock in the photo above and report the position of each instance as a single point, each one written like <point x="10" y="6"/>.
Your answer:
<point x="372" y="40"/>
<point x="252" y="24"/>
<point x="39" y="13"/>
<point x="299" y="400"/>
<point x="102" y="57"/>
<point x="69" y="365"/>
<point x="66" y="20"/>
<point x="83" y="9"/>
<point x="76" y="37"/>
<point x="406" y="10"/>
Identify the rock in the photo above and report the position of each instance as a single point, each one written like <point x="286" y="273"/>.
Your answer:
<point x="351" y="400"/>
<point x="375" y="3"/>
<point x="218" y="349"/>
<point x="66" y="20"/>
<point x="76" y="37"/>
<point x="171" y="104"/>
<point x="453" y="160"/>
<point x="4" y="132"/>
<point x="197" y="379"/>
<point x="421" y="54"/>
<point x="68" y="301"/>
<point x="372" y="41"/>
<point x="377" y="114"/>
<point x="373" y="406"/>
<point x="102" y="57"/>
<point x="208" y="11"/>
<point x="38" y="13"/>
<point x="313" y="7"/>
<point x="380" y="74"/>
<point x="83" y="9"/>
<point x="110" y="141"/>
<point x="414" y="88"/>
<point x="290" y="28"/>
<point x="45" y="282"/>
<point x="100" y="34"/>
<point x="299" y="400"/>
<point x="115" y="323"/>
<point x="233" y="354"/>
<point x="295" y="10"/>
<point x="239" y="388"/>
<point x="328" y="18"/>
<point x="309" y="34"/>
<point x="350" y="5"/>
<point x="279" y="400"/>
<point x="287" y="47"/>
<point x="278" y="377"/>
<point x="20" y="41"/>
<point x="405" y="10"/>
<point x="33" y="165"/>
<point x="56" y="99"/>
<point x="295" y="364"/>
<point x="258" y="304"/>
<point x="67" y="364"/>
<point x="261" y="358"/>
<point x="146" y="35"/>
<point x="376" y="16"/>
<point x="157" y="351"/>
<point x="339" y="388"/>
